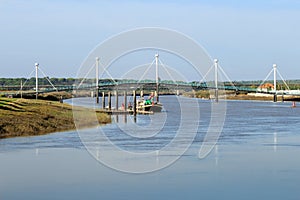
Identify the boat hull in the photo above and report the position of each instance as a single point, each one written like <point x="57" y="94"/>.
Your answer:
<point x="153" y="108"/>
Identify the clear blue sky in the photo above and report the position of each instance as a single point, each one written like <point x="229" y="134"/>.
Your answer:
<point x="247" y="37"/>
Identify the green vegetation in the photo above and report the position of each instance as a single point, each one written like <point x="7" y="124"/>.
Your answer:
<point x="293" y="84"/>
<point x="23" y="117"/>
<point x="31" y="81"/>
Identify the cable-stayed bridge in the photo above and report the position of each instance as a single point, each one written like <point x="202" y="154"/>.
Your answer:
<point x="147" y="84"/>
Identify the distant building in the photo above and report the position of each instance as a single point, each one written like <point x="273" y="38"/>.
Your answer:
<point x="268" y="86"/>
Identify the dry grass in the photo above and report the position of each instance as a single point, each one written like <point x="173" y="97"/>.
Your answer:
<point x="23" y="117"/>
<point x="249" y="97"/>
<point x="199" y="94"/>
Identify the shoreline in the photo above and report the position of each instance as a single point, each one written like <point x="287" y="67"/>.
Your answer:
<point x="28" y="117"/>
<point x="242" y="96"/>
<point x="203" y="94"/>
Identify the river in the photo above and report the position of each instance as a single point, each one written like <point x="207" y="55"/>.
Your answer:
<point x="256" y="157"/>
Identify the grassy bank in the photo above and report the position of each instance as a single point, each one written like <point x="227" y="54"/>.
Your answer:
<point x="25" y="117"/>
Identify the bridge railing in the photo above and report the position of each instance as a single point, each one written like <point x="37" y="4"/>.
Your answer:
<point x="194" y="85"/>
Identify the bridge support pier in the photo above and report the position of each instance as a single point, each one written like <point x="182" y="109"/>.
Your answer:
<point x="134" y="102"/>
<point x="117" y="100"/>
<point x="275" y="98"/>
<point x="216" y="95"/>
<point x="97" y="96"/>
<point x="109" y="100"/>
<point x="103" y="100"/>
<point x="125" y="100"/>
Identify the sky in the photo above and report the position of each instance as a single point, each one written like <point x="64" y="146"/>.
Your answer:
<point x="246" y="37"/>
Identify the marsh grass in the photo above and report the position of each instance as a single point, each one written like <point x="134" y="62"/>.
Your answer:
<point x="24" y="117"/>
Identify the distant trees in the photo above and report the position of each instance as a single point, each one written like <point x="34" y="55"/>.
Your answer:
<point x="5" y="82"/>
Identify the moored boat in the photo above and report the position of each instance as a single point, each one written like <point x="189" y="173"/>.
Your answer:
<point x="149" y="105"/>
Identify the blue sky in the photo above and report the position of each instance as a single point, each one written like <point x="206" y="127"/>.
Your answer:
<point x="247" y="37"/>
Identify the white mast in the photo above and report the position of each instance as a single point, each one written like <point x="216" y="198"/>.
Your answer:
<point x="216" y="80"/>
<point x="275" y="78"/>
<point x="97" y="79"/>
<point x="36" y="80"/>
<point x="157" y="81"/>
<point x="21" y="89"/>
<point x="275" y="81"/>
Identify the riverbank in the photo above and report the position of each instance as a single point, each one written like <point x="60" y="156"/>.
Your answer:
<point x="205" y="94"/>
<point x="28" y="117"/>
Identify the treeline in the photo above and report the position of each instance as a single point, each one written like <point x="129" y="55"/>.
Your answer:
<point x="7" y="82"/>
<point x="42" y="81"/>
<point x="293" y="84"/>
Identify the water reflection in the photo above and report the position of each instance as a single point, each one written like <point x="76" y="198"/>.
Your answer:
<point x="97" y="154"/>
<point x="217" y="154"/>
<point x="275" y="141"/>
<point x="37" y="152"/>
<point x="123" y="118"/>
<point x="117" y="118"/>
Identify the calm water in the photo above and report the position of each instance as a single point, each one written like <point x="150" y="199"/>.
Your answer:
<point x="257" y="157"/>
